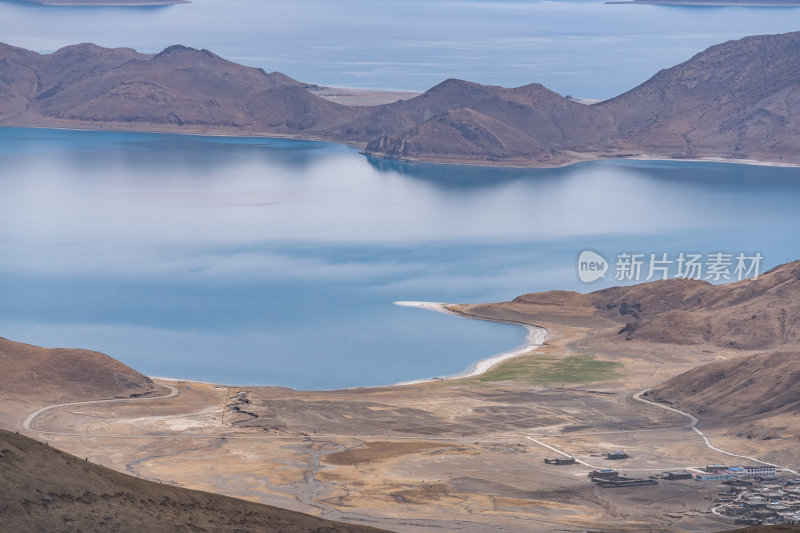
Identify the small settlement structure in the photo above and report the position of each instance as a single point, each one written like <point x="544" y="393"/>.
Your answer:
<point x="608" y="479"/>
<point x="751" y="495"/>
<point x="754" y="495"/>
<point x="560" y="461"/>
<point x="616" y="456"/>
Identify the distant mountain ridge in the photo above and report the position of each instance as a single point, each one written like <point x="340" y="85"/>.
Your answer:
<point x="462" y="120"/>
<point x="737" y="343"/>
<point x="752" y="314"/>
<point x="737" y="390"/>
<point x="738" y="100"/>
<point x="177" y="89"/>
<point x="33" y="377"/>
<point x="66" y="374"/>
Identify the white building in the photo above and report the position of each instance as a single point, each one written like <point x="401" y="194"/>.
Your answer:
<point x="790" y="518"/>
<point x="758" y="471"/>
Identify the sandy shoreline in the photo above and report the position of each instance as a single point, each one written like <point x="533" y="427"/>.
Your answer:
<point x="589" y="157"/>
<point x="163" y="378"/>
<point x="361" y="97"/>
<point x="536" y="337"/>
<point x="246" y="134"/>
<point x="750" y="162"/>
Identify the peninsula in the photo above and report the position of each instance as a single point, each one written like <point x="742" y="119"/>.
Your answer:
<point x="736" y="101"/>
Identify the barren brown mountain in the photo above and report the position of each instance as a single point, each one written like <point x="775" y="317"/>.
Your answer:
<point x="179" y="89"/>
<point x="754" y="314"/>
<point x="751" y="314"/>
<point x="737" y="100"/>
<point x="32" y="377"/>
<point x="746" y="332"/>
<point x="63" y="374"/>
<point x="46" y="490"/>
<point x="739" y="391"/>
<point x="459" y="120"/>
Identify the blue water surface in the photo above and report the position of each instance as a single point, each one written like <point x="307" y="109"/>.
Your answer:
<point x="266" y="261"/>
<point x="276" y="262"/>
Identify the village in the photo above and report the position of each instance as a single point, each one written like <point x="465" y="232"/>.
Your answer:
<point x="756" y="495"/>
<point x="751" y="495"/>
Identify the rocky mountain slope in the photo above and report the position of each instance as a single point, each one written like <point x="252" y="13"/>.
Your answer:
<point x="459" y="120"/>
<point x="32" y="377"/>
<point x="179" y="89"/>
<point x="738" y="390"/>
<point x="760" y="314"/>
<point x="730" y="353"/>
<point x="46" y="490"/>
<point x="57" y="375"/>
<point x="751" y="314"/>
<point x="736" y="100"/>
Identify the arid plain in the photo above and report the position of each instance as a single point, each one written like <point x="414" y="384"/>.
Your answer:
<point x="468" y="454"/>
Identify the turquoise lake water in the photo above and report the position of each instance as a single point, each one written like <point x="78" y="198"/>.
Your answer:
<point x="264" y="261"/>
<point x="269" y="261"/>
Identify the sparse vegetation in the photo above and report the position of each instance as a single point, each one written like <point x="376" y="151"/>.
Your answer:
<point x="43" y="489"/>
<point x="543" y="370"/>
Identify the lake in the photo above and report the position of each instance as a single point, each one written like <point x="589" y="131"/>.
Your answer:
<point x="267" y="261"/>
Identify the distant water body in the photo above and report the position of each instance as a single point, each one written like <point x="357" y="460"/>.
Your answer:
<point x="267" y="261"/>
<point x="264" y="261"/>
<point x="585" y="49"/>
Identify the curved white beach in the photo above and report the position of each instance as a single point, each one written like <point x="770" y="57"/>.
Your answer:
<point x="536" y="337"/>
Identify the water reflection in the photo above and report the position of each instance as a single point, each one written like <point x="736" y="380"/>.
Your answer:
<point x="277" y="261"/>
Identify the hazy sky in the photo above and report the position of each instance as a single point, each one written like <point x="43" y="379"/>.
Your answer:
<point x="586" y="49"/>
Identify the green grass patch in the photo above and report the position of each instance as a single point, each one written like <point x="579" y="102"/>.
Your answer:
<point x="545" y="370"/>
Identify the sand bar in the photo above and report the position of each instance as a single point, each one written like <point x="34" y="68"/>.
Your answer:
<point x="536" y="337"/>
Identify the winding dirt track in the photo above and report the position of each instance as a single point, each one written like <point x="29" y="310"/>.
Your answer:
<point x="28" y="423"/>
<point x="693" y="421"/>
